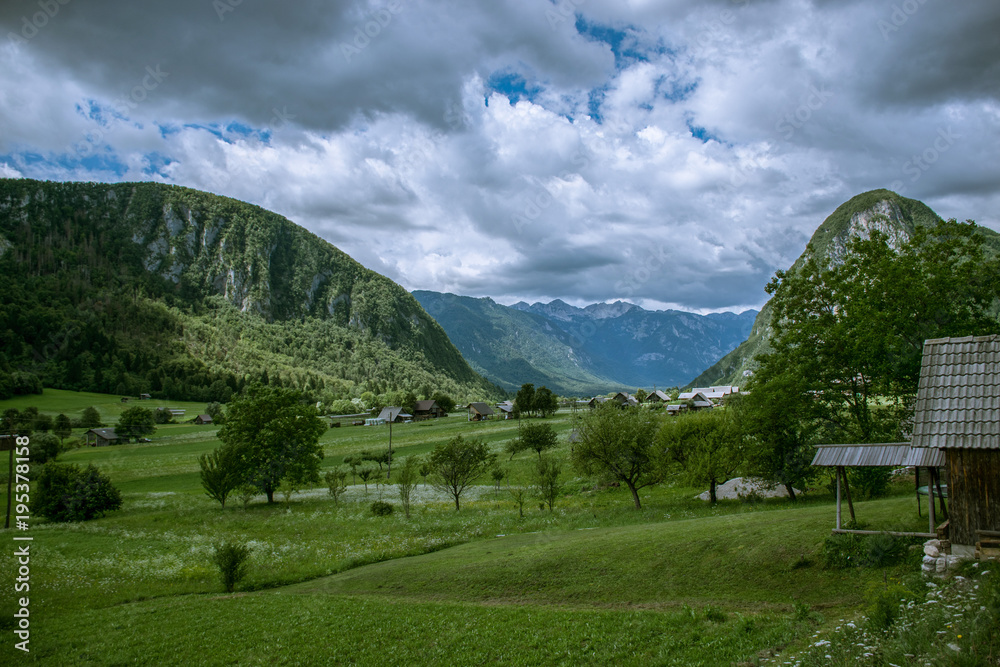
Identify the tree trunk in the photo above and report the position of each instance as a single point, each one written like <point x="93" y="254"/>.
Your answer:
<point x="270" y="495"/>
<point x="791" y="492"/>
<point x="847" y="492"/>
<point x="635" y="494"/>
<point x="711" y="492"/>
<point x="456" y="502"/>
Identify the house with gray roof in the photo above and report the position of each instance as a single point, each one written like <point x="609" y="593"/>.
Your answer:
<point x="393" y="414"/>
<point x="958" y="412"/>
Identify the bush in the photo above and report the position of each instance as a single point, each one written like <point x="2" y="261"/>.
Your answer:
<point x="232" y="557"/>
<point x="868" y="483"/>
<point x="71" y="493"/>
<point x="44" y="448"/>
<point x="382" y="508"/>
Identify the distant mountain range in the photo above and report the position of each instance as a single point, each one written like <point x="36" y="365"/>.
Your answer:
<point x="582" y="351"/>
<point x="881" y="210"/>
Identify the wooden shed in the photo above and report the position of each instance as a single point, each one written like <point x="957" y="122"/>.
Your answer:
<point x="890" y="455"/>
<point x="958" y="412"/>
<point x="479" y="412"/>
<point x="427" y="410"/>
<point x="101" y="437"/>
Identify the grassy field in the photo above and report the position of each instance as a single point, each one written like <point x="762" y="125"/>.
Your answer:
<point x="593" y="582"/>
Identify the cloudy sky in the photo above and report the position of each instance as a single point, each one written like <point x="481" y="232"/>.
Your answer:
<point x="673" y="154"/>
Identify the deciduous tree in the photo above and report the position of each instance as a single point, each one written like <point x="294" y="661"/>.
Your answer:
<point x="274" y="436"/>
<point x="459" y="462"/>
<point x="135" y="422"/>
<point x="706" y="445"/>
<point x="619" y="443"/>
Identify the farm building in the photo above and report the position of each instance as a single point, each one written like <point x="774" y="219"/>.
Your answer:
<point x="393" y="414"/>
<point x="479" y="412"/>
<point x="658" y="397"/>
<point x="203" y="419"/>
<point x="427" y="410"/>
<point x="101" y="437"/>
<point x="506" y="409"/>
<point x="958" y="412"/>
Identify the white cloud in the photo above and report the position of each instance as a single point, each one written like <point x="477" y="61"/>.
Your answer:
<point x="665" y="154"/>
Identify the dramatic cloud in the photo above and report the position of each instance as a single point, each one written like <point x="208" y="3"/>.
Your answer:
<point x="588" y="150"/>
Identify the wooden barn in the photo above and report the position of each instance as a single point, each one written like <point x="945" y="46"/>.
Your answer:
<point x="427" y="410"/>
<point x="479" y="412"/>
<point x="102" y="437"/>
<point x="958" y="412"/>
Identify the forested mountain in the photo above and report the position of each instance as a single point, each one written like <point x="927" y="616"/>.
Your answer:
<point x="881" y="210"/>
<point x="144" y="287"/>
<point x="582" y="351"/>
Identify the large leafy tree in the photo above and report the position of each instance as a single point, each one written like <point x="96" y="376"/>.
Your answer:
<point x="524" y="401"/>
<point x="459" y="462"/>
<point x="273" y="436"/>
<point x="545" y="402"/>
<point x="136" y="422"/>
<point x="708" y="446"/>
<point x="849" y="335"/>
<point x="619" y="443"/>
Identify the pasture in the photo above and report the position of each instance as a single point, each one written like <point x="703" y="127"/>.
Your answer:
<point x="592" y="582"/>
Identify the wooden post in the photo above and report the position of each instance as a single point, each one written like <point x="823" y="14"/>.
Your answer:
<point x="930" y="499"/>
<point x="847" y="491"/>
<point x="944" y="506"/>
<point x="916" y="488"/>
<point x="838" y="497"/>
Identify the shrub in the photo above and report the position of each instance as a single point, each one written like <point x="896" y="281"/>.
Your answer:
<point x="71" y="493"/>
<point x="336" y="481"/>
<point x="232" y="557"/>
<point x="870" y="483"/>
<point x="382" y="508"/>
<point x="44" y="448"/>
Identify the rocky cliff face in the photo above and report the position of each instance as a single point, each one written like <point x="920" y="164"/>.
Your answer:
<point x="190" y="249"/>
<point x="878" y="210"/>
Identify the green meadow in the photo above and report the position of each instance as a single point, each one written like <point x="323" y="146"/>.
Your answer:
<point x="592" y="582"/>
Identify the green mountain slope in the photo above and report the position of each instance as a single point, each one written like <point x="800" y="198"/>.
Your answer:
<point x="135" y="287"/>
<point x="512" y="347"/>
<point x="882" y="210"/>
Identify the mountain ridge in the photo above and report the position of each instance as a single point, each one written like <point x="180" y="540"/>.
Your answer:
<point x="234" y="290"/>
<point x="598" y="348"/>
<point x="876" y="210"/>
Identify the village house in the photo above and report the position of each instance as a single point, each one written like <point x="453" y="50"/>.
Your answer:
<point x="479" y="412"/>
<point x="203" y="419"/>
<point x="427" y="410"/>
<point x="716" y="394"/>
<point x="393" y="414"/>
<point x="506" y="409"/>
<point x="658" y="397"/>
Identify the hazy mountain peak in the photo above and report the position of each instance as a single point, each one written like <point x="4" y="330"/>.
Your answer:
<point x="603" y="311"/>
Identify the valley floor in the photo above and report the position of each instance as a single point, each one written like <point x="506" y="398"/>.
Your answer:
<point x="592" y="582"/>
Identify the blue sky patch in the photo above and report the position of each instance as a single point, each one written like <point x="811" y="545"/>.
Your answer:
<point x="513" y="86"/>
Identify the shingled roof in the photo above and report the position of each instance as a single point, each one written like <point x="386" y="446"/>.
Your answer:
<point x="958" y="400"/>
